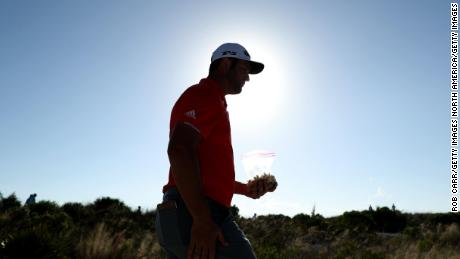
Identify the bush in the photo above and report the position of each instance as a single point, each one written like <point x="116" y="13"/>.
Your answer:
<point x="305" y="221"/>
<point x="346" y="250"/>
<point x="108" y="207"/>
<point x="36" y="242"/>
<point x="235" y="211"/>
<point x="424" y="245"/>
<point x="75" y="210"/>
<point x="412" y="232"/>
<point x="107" y="228"/>
<point x="445" y="218"/>
<point x="10" y="202"/>
<point x="268" y="251"/>
<point x="368" y="254"/>
<point x="146" y="220"/>
<point x="270" y="231"/>
<point x="451" y="235"/>
<point x="387" y="220"/>
<point x="43" y="207"/>
<point x="357" y="220"/>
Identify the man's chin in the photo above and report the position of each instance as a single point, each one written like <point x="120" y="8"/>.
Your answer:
<point x="237" y="91"/>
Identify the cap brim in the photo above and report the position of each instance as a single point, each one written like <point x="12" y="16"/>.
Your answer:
<point x="256" y="67"/>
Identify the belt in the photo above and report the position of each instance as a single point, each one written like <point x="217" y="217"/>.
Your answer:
<point x="172" y="203"/>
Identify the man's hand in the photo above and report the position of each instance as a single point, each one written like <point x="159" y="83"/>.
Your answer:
<point x="203" y="239"/>
<point x="259" y="186"/>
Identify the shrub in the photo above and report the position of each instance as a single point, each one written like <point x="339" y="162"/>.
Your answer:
<point x="43" y="207"/>
<point x="424" y="245"/>
<point x="305" y="221"/>
<point x="346" y="250"/>
<point x="108" y="207"/>
<point x="268" y="251"/>
<point x="357" y="220"/>
<point x="235" y="211"/>
<point x="388" y="220"/>
<point x="8" y="203"/>
<point x="451" y="235"/>
<point x="369" y="254"/>
<point x="146" y="220"/>
<point x="412" y="232"/>
<point x="76" y="210"/>
<point x="37" y="242"/>
<point x="445" y="218"/>
<point x="271" y="231"/>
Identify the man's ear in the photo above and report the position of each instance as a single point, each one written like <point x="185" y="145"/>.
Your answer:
<point x="224" y="66"/>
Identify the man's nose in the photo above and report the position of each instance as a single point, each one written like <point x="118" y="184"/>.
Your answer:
<point x="247" y="77"/>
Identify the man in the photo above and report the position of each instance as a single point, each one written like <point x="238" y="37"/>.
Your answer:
<point x="194" y="219"/>
<point x="31" y="199"/>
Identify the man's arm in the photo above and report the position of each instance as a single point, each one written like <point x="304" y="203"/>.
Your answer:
<point x="183" y="156"/>
<point x="240" y="188"/>
<point x="258" y="189"/>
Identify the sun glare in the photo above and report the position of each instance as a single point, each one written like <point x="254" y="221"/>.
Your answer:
<point x="261" y="99"/>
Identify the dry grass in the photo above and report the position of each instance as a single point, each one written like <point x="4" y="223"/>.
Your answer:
<point x="437" y="242"/>
<point x="442" y="242"/>
<point x="412" y="251"/>
<point x="451" y="235"/>
<point x="101" y="243"/>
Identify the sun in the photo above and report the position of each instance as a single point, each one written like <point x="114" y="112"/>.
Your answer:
<point x="261" y="101"/>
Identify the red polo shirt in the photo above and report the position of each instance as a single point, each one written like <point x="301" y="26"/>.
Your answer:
<point x="204" y="108"/>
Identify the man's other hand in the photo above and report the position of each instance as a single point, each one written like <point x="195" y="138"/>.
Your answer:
<point x="203" y="239"/>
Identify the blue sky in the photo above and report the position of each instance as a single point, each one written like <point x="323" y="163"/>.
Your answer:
<point x="354" y="99"/>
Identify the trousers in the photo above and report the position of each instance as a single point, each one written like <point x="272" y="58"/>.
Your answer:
<point x="173" y="226"/>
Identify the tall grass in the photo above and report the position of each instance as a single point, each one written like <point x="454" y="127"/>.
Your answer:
<point x="103" y="243"/>
<point x="107" y="228"/>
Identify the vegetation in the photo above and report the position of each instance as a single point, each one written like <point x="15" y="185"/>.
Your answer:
<point x="107" y="228"/>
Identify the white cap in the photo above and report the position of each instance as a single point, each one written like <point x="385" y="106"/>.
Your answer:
<point x="235" y="50"/>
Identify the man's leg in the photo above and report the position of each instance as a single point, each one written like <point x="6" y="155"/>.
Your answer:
<point x="173" y="227"/>
<point x="172" y="238"/>
<point x="238" y="245"/>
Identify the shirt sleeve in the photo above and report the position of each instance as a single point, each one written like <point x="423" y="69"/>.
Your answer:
<point x="199" y="113"/>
